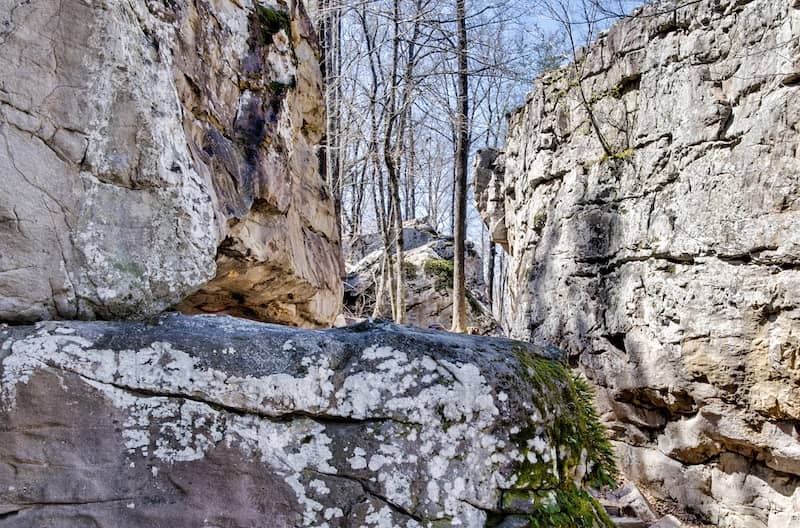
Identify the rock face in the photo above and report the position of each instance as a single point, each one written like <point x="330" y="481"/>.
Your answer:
<point x="669" y="266"/>
<point x="206" y="420"/>
<point x="428" y="264"/>
<point x="154" y="151"/>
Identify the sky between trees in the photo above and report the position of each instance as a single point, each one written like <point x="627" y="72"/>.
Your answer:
<point x="401" y="106"/>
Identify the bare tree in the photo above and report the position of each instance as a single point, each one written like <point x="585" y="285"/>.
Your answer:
<point x="462" y="163"/>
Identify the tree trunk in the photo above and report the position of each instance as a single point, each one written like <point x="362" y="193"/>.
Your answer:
<point x="490" y="281"/>
<point x="462" y="160"/>
<point x="330" y="163"/>
<point x="390" y="159"/>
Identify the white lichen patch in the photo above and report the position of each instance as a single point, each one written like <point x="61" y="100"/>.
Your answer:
<point x="430" y="442"/>
<point x="358" y="460"/>
<point x="161" y="368"/>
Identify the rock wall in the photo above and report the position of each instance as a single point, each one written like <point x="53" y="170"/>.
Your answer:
<point x="154" y="151"/>
<point x="428" y="265"/>
<point x="668" y="264"/>
<point x="218" y="421"/>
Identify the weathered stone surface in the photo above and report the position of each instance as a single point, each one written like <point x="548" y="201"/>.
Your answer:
<point x="428" y="264"/>
<point x="669" y="267"/>
<point x="191" y="421"/>
<point x="149" y="149"/>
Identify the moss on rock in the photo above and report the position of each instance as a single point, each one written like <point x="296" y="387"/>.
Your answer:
<point x="565" y="450"/>
<point x="442" y="270"/>
<point x="271" y="21"/>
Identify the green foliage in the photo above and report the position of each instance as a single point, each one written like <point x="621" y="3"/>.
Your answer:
<point x="594" y="436"/>
<point x="565" y="402"/>
<point x="410" y="270"/>
<point x="567" y="507"/>
<point x="441" y="270"/>
<point x="270" y="22"/>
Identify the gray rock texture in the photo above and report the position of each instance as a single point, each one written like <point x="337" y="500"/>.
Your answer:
<point x="150" y="151"/>
<point x="218" y="421"/>
<point x="428" y="265"/>
<point x="668" y="266"/>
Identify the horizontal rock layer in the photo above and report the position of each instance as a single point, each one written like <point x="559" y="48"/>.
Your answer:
<point x="151" y="149"/>
<point x="668" y="262"/>
<point x="189" y="421"/>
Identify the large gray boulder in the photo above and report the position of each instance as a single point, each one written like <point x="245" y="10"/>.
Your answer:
<point x="217" y="421"/>
<point x="150" y="151"/>
<point x="669" y="267"/>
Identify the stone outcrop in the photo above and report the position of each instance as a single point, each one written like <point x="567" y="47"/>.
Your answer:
<point x="213" y="420"/>
<point x="428" y="265"/>
<point x="668" y="263"/>
<point x="157" y="153"/>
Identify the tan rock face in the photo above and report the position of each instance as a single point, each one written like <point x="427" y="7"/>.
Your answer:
<point x="150" y="150"/>
<point x="670" y="269"/>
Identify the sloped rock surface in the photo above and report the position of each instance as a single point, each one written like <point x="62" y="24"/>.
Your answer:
<point x="669" y="267"/>
<point x="151" y="149"/>
<point x="428" y="265"/>
<point x="203" y="420"/>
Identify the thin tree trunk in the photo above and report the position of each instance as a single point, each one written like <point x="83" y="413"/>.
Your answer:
<point x="490" y="281"/>
<point x="411" y="181"/>
<point x="462" y="160"/>
<point x="377" y="309"/>
<point x="390" y="159"/>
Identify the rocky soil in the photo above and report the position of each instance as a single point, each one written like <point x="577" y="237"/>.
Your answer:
<point x="668" y="263"/>
<point x="155" y="153"/>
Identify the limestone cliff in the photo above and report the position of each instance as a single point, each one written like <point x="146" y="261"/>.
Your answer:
<point x="668" y="263"/>
<point x="152" y="151"/>
<point x="216" y="421"/>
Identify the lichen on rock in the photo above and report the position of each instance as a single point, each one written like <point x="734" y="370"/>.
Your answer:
<point x="374" y="425"/>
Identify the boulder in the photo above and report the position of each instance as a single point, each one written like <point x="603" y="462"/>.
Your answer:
<point x="213" y="420"/>
<point x="667" y="264"/>
<point x="163" y="153"/>
<point x="428" y="265"/>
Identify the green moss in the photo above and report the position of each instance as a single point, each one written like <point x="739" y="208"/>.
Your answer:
<point x="474" y="305"/>
<point x="627" y="153"/>
<point x="621" y="155"/>
<point x="128" y="267"/>
<point x="279" y="89"/>
<point x="271" y="21"/>
<point x="441" y="270"/>
<point x="410" y="270"/>
<point x="546" y="490"/>
<point x="539" y="220"/>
